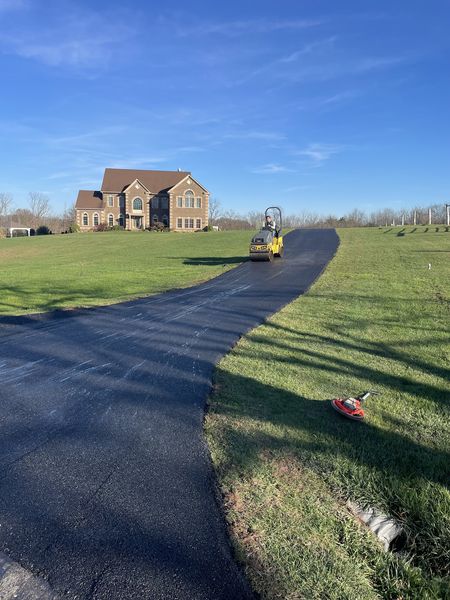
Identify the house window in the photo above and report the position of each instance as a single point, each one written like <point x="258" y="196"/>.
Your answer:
<point x="198" y="203"/>
<point x="189" y="223"/>
<point x="198" y="223"/>
<point x="137" y="204"/>
<point x="85" y="219"/>
<point x="122" y="202"/>
<point x="155" y="202"/>
<point x="95" y="219"/>
<point x="121" y="220"/>
<point x="111" y="220"/>
<point x="180" y="223"/>
<point x="110" y="201"/>
<point x="163" y="203"/>
<point x="180" y="201"/>
<point x="165" y="220"/>
<point x="189" y="199"/>
<point x="155" y="218"/>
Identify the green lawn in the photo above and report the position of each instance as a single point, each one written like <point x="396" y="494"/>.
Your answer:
<point x="51" y="272"/>
<point x="377" y="318"/>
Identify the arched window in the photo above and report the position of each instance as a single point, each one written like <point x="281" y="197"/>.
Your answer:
<point x="95" y="219"/>
<point x="189" y="199"/>
<point x="110" y="220"/>
<point x="85" y="219"/>
<point x="155" y="218"/>
<point x="165" y="220"/>
<point x="121" y="220"/>
<point x="137" y="204"/>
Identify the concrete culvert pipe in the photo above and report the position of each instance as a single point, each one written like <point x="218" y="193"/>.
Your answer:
<point x="389" y="531"/>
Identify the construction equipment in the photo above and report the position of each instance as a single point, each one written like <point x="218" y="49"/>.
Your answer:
<point x="352" y="407"/>
<point x="268" y="242"/>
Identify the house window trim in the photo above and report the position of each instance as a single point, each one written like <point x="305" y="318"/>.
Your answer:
<point x="198" y="202"/>
<point x="142" y="204"/>
<point x="110" y="201"/>
<point x="191" y="199"/>
<point x="197" y="221"/>
<point x="94" y="224"/>
<point x="178" y="222"/>
<point x="110" y="218"/>
<point x="179" y="201"/>
<point x="85" y="215"/>
<point x="187" y="223"/>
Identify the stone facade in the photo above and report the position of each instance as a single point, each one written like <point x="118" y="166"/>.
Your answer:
<point x="180" y="205"/>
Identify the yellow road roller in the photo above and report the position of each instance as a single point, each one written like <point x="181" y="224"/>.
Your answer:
<point x="268" y="242"/>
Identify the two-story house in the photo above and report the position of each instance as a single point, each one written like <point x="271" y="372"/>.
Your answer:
<point x="137" y="199"/>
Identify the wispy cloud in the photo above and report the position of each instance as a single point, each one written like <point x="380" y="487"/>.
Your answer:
<point x="268" y="136"/>
<point x="340" y="97"/>
<point x="11" y="5"/>
<point x="82" y="39"/>
<point x="250" y="26"/>
<point x="318" y="154"/>
<point x="313" y="47"/>
<point x="270" y="169"/>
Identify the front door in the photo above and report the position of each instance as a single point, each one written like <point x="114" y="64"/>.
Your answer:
<point x="136" y="222"/>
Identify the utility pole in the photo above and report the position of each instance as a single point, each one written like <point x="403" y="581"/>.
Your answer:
<point x="415" y="217"/>
<point x="429" y="216"/>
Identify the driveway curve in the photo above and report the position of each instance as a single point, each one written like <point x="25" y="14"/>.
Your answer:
<point x="106" y="485"/>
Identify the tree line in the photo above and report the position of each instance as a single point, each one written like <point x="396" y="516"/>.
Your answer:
<point x="37" y="213"/>
<point x="386" y="217"/>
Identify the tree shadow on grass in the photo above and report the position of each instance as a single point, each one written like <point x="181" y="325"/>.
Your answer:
<point x="378" y="349"/>
<point x="215" y="260"/>
<point x="366" y="462"/>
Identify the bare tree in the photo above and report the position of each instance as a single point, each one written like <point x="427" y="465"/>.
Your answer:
<point x="5" y="206"/>
<point x="255" y="218"/>
<point x="39" y="207"/>
<point x="68" y="217"/>
<point x="214" y="210"/>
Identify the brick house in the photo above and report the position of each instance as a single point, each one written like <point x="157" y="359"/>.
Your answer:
<point x="136" y="199"/>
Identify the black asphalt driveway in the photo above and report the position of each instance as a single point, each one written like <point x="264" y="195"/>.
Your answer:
<point x="106" y="486"/>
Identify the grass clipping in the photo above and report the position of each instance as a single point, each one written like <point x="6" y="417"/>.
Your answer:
<point x="287" y="463"/>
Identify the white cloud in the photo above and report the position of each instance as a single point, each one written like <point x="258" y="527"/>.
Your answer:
<point x="255" y="135"/>
<point x="318" y="154"/>
<point x="89" y="40"/>
<point x="270" y="169"/>
<point x="235" y="28"/>
<point x="10" y="5"/>
<point x="308" y="49"/>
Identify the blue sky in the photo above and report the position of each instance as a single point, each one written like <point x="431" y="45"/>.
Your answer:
<point x="315" y="105"/>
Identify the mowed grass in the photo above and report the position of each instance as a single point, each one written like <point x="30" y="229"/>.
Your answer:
<point x="378" y="318"/>
<point x="52" y="272"/>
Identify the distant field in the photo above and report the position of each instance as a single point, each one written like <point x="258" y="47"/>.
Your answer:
<point x="51" y="272"/>
<point x="379" y="317"/>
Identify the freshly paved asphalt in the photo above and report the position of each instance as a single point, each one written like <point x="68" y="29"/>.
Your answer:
<point x="106" y="486"/>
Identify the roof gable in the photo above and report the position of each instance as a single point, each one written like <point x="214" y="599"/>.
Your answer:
<point x="136" y="182"/>
<point x="89" y="199"/>
<point x="192" y="179"/>
<point x="117" y="180"/>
